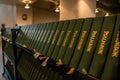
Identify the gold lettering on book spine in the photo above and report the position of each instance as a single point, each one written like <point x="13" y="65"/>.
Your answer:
<point x="42" y="36"/>
<point x="91" y="41"/>
<point x="73" y="38"/>
<point x="50" y="36"/>
<point x="55" y="36"/>
<point x="46" y="35"/>
<point x="116" y="48"/>
<point x="60" y="37"/>
<point x="103" y="41"/>
<point x="39" y="37"/>
<point x="66" y="38"/>
<point x="31" y="34"/>
<point x="81" y="40"/>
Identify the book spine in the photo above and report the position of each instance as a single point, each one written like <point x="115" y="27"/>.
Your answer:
<point x="44" y="38"/>
<point x="38" y="36"/>
<point x="50" y="38"/>
<point x="50" y="28"/>
<point x="53" y="29"/>
<point x="73" y="42"/>
<point x="102" y="46"/>
<point x="57" y="46"/>
<point x="41" y="37"/>
<point x="110" y="71"/>
<point x="33" y="36"/>
<point x="64" y="44"/>
<point x="83" y="35"/>
<point x="91" y="44"/>
<point x="56" y="36"/>
<point x="66" y="39"/>
<point x="21" y="34"/>
<point x="24" y="38"/>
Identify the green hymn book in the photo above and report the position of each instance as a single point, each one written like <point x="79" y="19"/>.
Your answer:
<point x="53" y="53"/>
<point x="50" y="28"/>
<point x="56" y="37"/>
<point x="52" y="33"/>
<point x="38" y="36"/>
<point x="66" y="40"/>
<point x="83" y="35"/>
<point x="25" y="66"/>
<point x="43" y="37"/>
<point x="21" y="34"/>
<point x="67" y="54"/>
<point x="88" y="52"/>
<point x="110" y="71"/>
<point x="65" y="44"/>
<point x="49" y="35"/>
<point x="102" y="46"/>
<point x="52" y="40"/>
<point x="73" y="42"/>
<point x="30" y="41"/>
<point x="34" y="33"/>
<point x="26" y="35"/>
<point x="64" y="27"/>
